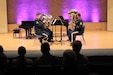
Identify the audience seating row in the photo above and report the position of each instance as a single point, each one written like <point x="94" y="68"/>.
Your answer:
<point x="102" y="65"/>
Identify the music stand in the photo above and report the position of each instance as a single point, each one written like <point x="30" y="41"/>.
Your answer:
<point x="62" y="23"/>
<point x="53" y="22"/>
<point x="62" y="18"/>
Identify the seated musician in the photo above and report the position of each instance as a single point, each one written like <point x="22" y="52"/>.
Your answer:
<point x="47" y="22"/>
<point x="79" y="22"/>
<point x="38" y="25"/>
<point x="75" y="25"/>
<point x="72" y="24"/>
<point x="41" y="26"/>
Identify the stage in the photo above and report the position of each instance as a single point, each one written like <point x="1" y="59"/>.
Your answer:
<point x="97" y="43"/>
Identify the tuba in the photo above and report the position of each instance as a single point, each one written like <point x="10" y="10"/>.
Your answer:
<point x="47" y="21"/>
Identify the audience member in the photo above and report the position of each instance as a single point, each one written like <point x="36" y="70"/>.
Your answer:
<point x="47" y="63"/>
<point x="21" y="62"/>
<point x="3" y="61"/>
<point x="82" y="60"/>
<point x="69" y="65"/>
<point x="47" y="58"/>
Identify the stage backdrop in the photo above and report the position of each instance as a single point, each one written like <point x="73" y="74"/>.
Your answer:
<point x="3" y="17"/>
<point x="91" y="10"/>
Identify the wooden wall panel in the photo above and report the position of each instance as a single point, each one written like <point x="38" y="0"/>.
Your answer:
<point x="3" y="16"/>
<point x="101" y="26"/>
<point x="110" y="15"/>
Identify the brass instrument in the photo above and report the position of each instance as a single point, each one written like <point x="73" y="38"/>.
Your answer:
<point x="48" y="23"/>
<point x="47" y="20"/>
<point x="72" y="23"/>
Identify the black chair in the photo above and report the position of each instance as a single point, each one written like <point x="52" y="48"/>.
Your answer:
<point x="17" y="31"/>
<point x="47" y="69"/>
<point x="14" y="70"/>
<point x="79" y="33"/>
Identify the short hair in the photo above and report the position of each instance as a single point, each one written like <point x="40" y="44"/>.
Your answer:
<point x="1" y="49"/>
<point x="38" y="14"/>
<point x="69" y="54"/>
<point x="45" y="47"/>
<point x="77" y="45"/>
<point x="79" y="14"/>
<point x="21" y="50"/>
<point x="69" y="57"/>
<point x="72" y="11"/>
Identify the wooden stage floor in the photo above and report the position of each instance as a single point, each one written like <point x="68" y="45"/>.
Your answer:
<point x="97" y="43"/>
<point x="94" y="40"/>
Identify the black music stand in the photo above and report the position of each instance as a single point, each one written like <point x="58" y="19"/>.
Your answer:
<point x="56" y="22"/>
<point x="62" y="23"/>
<point x="53" y="23"/>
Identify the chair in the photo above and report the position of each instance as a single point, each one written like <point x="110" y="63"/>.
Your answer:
<point x="79" y="33"/>
<point x="15" y="70"/>
<point x="17" y="31"/>
<point x="45" y="37"/>
<point x="48" y="69"/>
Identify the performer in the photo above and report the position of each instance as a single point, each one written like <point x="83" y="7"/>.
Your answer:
<point x="79" y="23"/>
<point x="38" y="25"/>
<point x="42" y="23"/>
<point x="47" y="23"/>
<point x="75" y="26"/>
<point x="72" y="24"/>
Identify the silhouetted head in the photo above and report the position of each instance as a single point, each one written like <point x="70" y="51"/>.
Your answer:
<point x="21" y="51"/>
<point x="69" y="58"/>
<point x="77" y="45"/>
<point x="1" y="49"/>
<point x="45" y="47"/>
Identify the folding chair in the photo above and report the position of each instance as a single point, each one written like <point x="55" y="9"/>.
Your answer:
<point x="80" y="33"/>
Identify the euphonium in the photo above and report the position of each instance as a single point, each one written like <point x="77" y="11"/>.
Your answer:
<point x="72" y="24"/>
